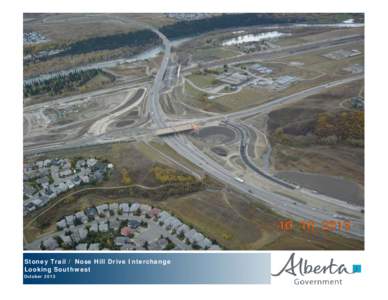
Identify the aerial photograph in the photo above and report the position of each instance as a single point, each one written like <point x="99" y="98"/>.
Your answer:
<point x="193" y="131"/>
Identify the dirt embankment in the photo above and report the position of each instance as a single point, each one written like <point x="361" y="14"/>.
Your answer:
<point x="320" y="136"/>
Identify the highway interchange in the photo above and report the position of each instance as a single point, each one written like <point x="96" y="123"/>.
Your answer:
<point x="155" y="116"/>
<point x="182" y="145"/>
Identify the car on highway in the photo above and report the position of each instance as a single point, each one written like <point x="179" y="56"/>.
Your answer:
<point x="239" y="179"/>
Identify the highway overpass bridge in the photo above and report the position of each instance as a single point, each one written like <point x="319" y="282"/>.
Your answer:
<point x="176" y="129"/>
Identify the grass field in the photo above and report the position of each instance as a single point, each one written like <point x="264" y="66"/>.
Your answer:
<point x="318" y="63"/>
<point x="207" y="54"/>
<point x="72" y="27"/>
<point x="127" y="70"/>
<point x="203" y="80"/>
<point x="248" y="96"/>
<point x="336" y="160"/>
<point x="232" y="220"/>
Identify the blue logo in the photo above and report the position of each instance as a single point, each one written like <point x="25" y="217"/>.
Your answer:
<point x="356" y="268"/>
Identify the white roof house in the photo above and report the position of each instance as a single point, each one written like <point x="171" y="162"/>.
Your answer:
<point x="94" y="247"/>
<point x="134" y="207"/>
<point x="62" y="187"/>
<point x="103" y="227"/>
<point x="65" y="173"/>
<point x="50" y="243"/>
<point x="113" y="206"/>
<point x="94" y="227"/>
<point x="198" y="237"/>
<point x="83" y="233"/>
<point x="124" y="207"/>
<point x="82" y="247"/>
<point x="84" y="178"/>
<point x="37" y="202"/>
<point x="70" y="185"/>
<point x="163" y="216"/>
<point x="194" y="236"/>
<point x="145" y="208"/>
<point x="175" y="223"/>
<point x="204" y="243"/>
<point x="80" y="163"/>
<point x="121" y="240"/>
<point x="69" y="220"/>
<point x="61" y="224"/>
<point x="114" y="224"/>
<point x="81" y="216"/>
<point x="214" y="247"/>
<point x="183" y="228"/>
<point x="172" y="223"/>
<point x="75" y="236"/>
<point x="66" y="239"/>
<point x="91" y="162"/>
<point x="102" y="208"/>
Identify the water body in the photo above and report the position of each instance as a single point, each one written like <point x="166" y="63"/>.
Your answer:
<point x="148" y="54"/>
<point x="332" y="186"/>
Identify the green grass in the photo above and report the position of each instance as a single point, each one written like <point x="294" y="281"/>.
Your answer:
<point x="203" y="81"/>
<point x="213" y="53"/>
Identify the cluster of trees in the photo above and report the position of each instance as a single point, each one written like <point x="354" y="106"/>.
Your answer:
<point x="139" y="38"/>
<point x="225" y="21"/>
<point x="168" y="190"/>
<point x="146" y="38"/>
<point x="166" y="175"/>
<point x="125" y="178"/>
<point x="105" y="239"/>
<point x="342" y="126"/>
<point x="328" y="129"/>
<point x="56" y="85"/>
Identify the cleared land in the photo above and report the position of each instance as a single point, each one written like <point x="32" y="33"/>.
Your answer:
<point x="296" y="146"/>
<point x="151" y="172"/>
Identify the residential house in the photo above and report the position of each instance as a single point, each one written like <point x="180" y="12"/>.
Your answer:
<point x="93" y="227"/>
<point x="102" y="209"/>
<point x="133" y="224"/>
<point x="154" y="212"/>
<point x="94" y="247"/>
<point x="82" y="247"/>
<point x="103" y="227"/>
<point x="61" y="224"/>
<point x="121" y="240"/>
<point x="66" y="239"/>
<point x="91" y="212"/>
<point x="126" y="231"/>
<point x="134" y="207"/>
<point x="114" y="224"/>
<point x="205" y="243"/>
<point x="124" y="208"/>
<point x="113" y="207"/>
<point x="91" y="162"/>
<point x="69" y="220"/>
<point x="50" y="243"/>
<point x="81" y="217"/>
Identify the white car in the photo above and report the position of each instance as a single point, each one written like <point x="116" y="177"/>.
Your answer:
<point x="239" y="179"/>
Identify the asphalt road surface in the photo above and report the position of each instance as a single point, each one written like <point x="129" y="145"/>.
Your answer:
<point x="185" y="148"/>
<point x="182" y="145"/>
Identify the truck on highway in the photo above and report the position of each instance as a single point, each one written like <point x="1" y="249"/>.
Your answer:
<point x="239" y="179"/>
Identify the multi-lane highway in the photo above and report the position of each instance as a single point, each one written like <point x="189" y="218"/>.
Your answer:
<point x="181" y="144"/>
<point x="245" y="158"/>
<point x="281" y="204"/>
